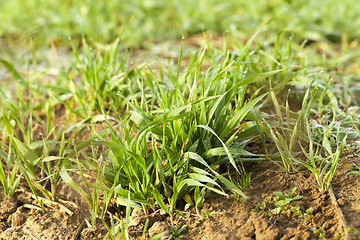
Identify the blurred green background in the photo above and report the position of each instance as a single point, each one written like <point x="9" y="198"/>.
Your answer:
<point x="39" y="22"/>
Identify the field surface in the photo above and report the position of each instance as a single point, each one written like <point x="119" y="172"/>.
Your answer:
<point x="169" y="119"/>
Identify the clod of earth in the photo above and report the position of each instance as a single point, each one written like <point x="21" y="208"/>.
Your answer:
<point x="159" y="227"/>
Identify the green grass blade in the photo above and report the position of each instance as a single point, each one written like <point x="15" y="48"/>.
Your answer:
<point x="231" y="159"/>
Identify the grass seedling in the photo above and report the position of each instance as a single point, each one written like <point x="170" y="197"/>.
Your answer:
<point x="15" y="119"/>
<point x="41" y="167"/>
<point x="121" y="228"/>
<point x="280" y="204"/>
<point x="106" y="79"/>
<point x="323" y="167"/>
<point x="199" y="198"/>
<point x="289" y="131"/>
<point x="285" y="137"/>
<point x="9" y="176"/>
<point x="319" y="231"/>
<point x="28" y="161"/>
<point x="282" y="200"/>
<point x="176" y="232"/>
<point x="89" y="191"/>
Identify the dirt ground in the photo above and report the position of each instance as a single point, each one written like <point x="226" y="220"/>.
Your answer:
<point x="223" y="218"/>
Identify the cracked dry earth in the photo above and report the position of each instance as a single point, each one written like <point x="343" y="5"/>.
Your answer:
<point x="227" y="218"/>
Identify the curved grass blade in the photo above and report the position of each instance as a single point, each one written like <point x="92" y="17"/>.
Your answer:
<point x="230" y="185"/>
<point x="231" y="159"/>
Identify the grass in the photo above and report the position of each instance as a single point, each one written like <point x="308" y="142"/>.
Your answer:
<point x="154" y="132"/>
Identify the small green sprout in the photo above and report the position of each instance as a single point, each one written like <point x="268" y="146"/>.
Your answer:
<point x="280" y="204"/>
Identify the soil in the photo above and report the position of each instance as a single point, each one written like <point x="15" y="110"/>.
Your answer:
<point x="221" y="218"/>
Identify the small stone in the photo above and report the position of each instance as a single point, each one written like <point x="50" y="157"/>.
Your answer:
<point x="159" y="227"/>
<point x="137" y="217"/>
<point x="137" y="212"/>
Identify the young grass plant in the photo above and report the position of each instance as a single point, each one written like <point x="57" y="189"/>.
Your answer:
<point x="323" y="167"/>
<point x="180" y="123"/>
<point x="288" y="133"/>
<point x="9" y="172"/>
<point x="30" y="163"/>
<point x="105" y="77"/>
<point x="132" y="173"/>
<point x="280" y="204"/>
<point x="121" y="227"/>
<point x="218" y="99"/>
<point x="14" y="118"/>
<point x="41" y="161"/>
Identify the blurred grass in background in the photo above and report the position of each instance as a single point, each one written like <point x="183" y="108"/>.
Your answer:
<point x="41" y="22"/>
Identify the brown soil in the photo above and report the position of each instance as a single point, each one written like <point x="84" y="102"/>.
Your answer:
<point x="227" y="218"/>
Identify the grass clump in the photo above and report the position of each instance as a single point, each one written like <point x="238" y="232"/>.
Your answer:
<point x="177" y="143"/>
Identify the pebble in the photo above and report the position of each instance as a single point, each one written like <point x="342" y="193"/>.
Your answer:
<point x="159" y="227"/>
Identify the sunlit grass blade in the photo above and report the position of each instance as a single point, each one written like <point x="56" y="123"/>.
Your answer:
<point x="228" y="184"/>
<point x="231" y="159"/>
